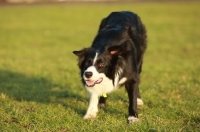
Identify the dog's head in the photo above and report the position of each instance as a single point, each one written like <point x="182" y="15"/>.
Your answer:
<point x="98" y="66"/>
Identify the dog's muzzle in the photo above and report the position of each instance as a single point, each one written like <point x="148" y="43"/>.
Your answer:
<point x="90" y="82"/>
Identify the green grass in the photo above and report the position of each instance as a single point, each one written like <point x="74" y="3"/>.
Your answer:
<point x="40" y="88"/>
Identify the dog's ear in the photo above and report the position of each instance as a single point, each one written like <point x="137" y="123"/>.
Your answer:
<point x="119" y="49"/>
<point x="114" y="50"/>
<point x="81" y="55"/>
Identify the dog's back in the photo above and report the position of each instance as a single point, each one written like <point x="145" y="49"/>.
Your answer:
<point x="126" y="20"/>
<point x="119" y="20"/>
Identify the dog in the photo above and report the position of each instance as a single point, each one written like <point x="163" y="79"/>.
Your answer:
<point x="114" y="59"/>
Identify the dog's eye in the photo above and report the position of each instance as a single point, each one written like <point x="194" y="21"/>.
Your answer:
<point x="100" y="65"/>
<point x="89" y="62"/>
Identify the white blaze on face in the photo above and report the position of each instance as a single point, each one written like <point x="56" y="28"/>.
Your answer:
<point x="95" y="58"/>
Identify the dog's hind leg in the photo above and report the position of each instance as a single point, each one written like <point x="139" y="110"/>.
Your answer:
<point x="139" y="99"/>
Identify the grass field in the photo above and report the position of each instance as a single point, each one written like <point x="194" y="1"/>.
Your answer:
<point x="40" y="88"/>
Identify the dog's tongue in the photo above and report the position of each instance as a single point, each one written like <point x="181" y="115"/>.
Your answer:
<point x="89" y="82"/>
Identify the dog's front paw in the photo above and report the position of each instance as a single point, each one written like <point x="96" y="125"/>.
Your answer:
<point x="132" y="119"/>
<point x="90" y="115"/>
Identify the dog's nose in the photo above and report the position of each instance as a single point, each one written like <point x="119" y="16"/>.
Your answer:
<point x="88" y="74"/>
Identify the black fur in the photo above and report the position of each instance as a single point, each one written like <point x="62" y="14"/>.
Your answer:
<point x="121" y="43"/>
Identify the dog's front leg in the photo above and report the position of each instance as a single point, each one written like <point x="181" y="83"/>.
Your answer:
<point x="131" y="87"/>
<point x="92" y="109"/>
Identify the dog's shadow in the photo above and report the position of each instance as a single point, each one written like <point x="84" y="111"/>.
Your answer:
<point x="21" y="87"/>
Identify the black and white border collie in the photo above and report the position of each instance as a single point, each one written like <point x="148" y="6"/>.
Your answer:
<point x="114" y="59"/>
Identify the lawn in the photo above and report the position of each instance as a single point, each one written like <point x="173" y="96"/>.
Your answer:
<point x="40" y="87"/>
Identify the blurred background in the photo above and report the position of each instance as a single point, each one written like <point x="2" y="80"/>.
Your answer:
<point x="39" y="1"/>
<point x="40" y="87"/>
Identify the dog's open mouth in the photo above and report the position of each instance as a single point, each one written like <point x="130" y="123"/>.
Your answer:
<point x="91" y="83"/>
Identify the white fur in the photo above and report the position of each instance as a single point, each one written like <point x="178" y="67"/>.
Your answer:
<point x="92" y="109"/>
<point x="117" y="76"/>
<point x="139" y="101"/>
<point x="123" y="80"/>
<point x="132" y="119"/>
